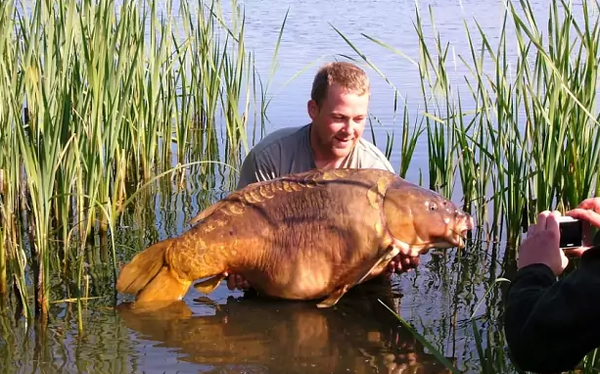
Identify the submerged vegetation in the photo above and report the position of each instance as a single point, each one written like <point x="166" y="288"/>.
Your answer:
<point x="103" y="100"/>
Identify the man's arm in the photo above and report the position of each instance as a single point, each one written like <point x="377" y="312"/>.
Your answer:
<point x="551" y="325"/>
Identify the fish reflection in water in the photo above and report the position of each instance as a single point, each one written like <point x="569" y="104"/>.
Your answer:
<point x="250" y="334"/>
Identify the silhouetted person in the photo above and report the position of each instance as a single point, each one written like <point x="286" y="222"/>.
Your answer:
<point x="552" y="324"/>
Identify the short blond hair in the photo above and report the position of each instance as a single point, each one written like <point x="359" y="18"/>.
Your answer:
<point x="345" y="74"/>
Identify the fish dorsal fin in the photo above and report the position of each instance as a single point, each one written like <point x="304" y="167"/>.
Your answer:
<point x="251" y="194"/>
<point x="235" y="196"/>
<point x="390" y="252"/>
<point x="265" y="190"/>
<point x="206" y="212"/>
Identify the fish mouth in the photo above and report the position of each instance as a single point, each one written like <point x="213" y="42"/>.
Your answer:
<point x="461" y="231"/>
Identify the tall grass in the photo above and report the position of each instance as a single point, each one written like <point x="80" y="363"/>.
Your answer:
<point x="101" y="98"/>
<point x="518" y="133"/>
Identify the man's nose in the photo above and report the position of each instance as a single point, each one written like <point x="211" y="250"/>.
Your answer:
<point x="349" y="125"/>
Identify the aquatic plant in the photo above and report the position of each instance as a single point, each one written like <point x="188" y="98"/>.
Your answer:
<point x="519" y="134"/>
<point x="103" y="98"/>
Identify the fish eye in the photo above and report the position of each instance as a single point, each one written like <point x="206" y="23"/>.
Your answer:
<point x="432" y="206"/>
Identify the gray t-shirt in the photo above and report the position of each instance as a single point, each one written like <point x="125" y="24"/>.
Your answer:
<point x="287" y="151"/>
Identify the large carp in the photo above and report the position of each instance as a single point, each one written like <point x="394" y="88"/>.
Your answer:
<point x="305" y="236"/>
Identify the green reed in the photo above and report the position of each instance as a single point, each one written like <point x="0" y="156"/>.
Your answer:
<point x="103" y="100"/>
<point x="519" y="129"/>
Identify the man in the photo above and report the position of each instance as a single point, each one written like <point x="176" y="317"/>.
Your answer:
<point x="551" y="325"/>
<point x="338" y="109"/>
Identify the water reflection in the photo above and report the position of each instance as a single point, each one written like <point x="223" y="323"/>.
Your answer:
<point x="252" y="335"/>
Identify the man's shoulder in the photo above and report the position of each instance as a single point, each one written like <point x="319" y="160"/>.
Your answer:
<point x="371" y="156"/>
<point x="370" y="149"/>
<point x="279" y="152"/>
<point x="278" y="138"/>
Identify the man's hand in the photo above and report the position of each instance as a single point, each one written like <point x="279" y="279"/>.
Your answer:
<point x="588" y="212"/>
<point x="236" y="281"/>
<point x="403" y="262"/>
<point x="542" y="244"/>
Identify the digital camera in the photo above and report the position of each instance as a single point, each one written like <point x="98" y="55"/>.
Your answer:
<point x="571" y="232"/>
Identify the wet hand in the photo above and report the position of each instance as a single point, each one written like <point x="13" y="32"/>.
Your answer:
<point x="587" y="211"/>
<point x="236" y="281"/>
<point x="542" y="244"/>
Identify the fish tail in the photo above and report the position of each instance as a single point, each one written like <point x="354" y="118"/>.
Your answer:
<point x="149" y="277"/>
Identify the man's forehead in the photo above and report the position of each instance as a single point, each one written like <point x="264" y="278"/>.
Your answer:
<point x="349" y="112"/>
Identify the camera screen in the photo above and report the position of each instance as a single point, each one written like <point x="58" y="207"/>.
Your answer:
<point x="570" y="234"/>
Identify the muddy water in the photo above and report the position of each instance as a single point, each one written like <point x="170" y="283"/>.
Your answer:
<point x="257" y="336"/>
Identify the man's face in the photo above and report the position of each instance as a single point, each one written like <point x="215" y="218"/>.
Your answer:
<point x="339" y="123"/>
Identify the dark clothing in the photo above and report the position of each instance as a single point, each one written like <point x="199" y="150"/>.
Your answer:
<point x="551" y="325"/>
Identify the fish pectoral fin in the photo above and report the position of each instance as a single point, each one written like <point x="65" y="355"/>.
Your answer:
<point x="208" y="285"/>
<point x="363" y="273"/>
<point x="208" y="302"/>
<point x="388" y="254"/>
<point x="334" y="297"/>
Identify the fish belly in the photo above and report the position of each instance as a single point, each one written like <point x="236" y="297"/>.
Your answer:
<point x="308" y="282"/>
<point x="310" y="286"/>
<point x="300" y="278"/>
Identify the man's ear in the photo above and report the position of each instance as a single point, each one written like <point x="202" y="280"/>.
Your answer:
<point x="313" y="109"/>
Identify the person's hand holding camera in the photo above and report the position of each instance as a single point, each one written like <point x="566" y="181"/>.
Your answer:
<point x="542" y="244"/>
<point x="588" y="212"/>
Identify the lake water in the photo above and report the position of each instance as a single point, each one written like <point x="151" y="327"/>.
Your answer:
<point x="231" y="333"/>
<point x="309" y="40"/>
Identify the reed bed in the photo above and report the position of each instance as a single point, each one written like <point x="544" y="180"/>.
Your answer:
<point x="100" y="99"/>
<point x="518" y="133"/>
<point x="514" y="135"/>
